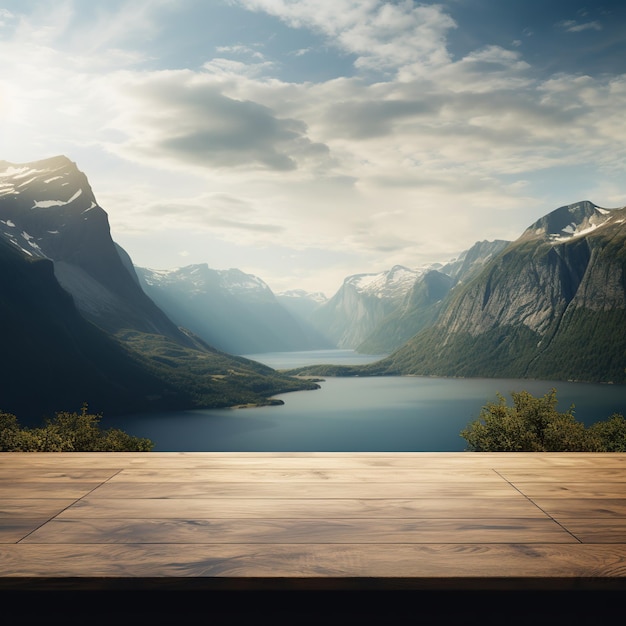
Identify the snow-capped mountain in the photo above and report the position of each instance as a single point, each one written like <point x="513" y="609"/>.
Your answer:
<point x="77" y="325"/>
<point x="233" y="311"/>
<point x="551" y="305"/>
<point x="301" y="303"/>
<point x="391" y="284"/>
<point x="568" y="222"/>
<point x="425" y="298"/>
<point x="48" y="210"/>
<point x="28" y="190"/>
<point x="316" y="297"/>
<point x="199" y="277"/>
<point x="362" y="302"/>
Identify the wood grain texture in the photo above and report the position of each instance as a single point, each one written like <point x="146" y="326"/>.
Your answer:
<point x="285" y="520"/>
<point x="313" y="508"/>
<point x="307" y="531"/>
<point x="472" y="561"/>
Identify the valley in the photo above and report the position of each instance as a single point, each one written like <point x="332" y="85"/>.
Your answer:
<point x="85" y="324"/>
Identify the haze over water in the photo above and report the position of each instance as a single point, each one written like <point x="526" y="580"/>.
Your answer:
<point x="386" y="414"/>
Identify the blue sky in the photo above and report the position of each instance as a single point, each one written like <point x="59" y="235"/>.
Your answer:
<point x="305" y="141"/>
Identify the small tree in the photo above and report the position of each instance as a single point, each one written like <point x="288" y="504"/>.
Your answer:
<point x="530" y="425"/>
<point x="68" y="432"/>
<point x="610" y="435"/>
<point x="76" y="431"/>
<point x="10" y="433"/>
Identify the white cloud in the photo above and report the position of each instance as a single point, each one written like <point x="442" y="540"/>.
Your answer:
<point x="6" y="17"/>
<point x="221" y="67"/>
<point x="241" y="49"/>
<point x="183" y="117"/>
<point x="382" y="35"/>
<point x="415" y="156"/>
<point x="571" y="26"/>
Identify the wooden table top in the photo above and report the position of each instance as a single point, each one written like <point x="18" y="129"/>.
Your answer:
<point x="313" y="520"/>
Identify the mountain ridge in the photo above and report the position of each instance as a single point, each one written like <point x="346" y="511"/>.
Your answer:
<point x="70" y="295"/>
<point x="234" y="311"/>
<point x="550" y="304"/>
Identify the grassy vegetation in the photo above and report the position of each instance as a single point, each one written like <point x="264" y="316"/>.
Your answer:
<point x="53" y="357"/>
<point x="210" y="379"/>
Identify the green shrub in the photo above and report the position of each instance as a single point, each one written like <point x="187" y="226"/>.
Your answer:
<point x="534" y="425"/>
<point x="68" y="432"/>
<point x="610" y="435"/>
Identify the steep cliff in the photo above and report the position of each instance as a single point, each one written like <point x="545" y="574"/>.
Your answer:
<point x="361" y="303"/>
<point x="49" y="211"/>
<point x="77" y="325"/>
<point x="424" y="301"/>
<point x="552" y="304"/>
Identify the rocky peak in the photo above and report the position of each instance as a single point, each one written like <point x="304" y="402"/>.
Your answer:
<point x="566" y="222"/>
<point x="48" y="210"/>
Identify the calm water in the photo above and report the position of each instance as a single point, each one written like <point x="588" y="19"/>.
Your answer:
<point x="386" y="414"/>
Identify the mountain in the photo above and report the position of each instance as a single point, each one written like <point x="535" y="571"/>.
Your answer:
<point x="233" y="311"/>
<point x="49" y="211"/>
<point x="361" y="303"/>
<point x="471" y="261"/>
<point x="301" y="303"/>
<point x="53" y="358"/>
<point x="550" y="305"/>
<point x="77" y="325"/>
<point x="424" y="300"/>
<point x="418" y="310"/>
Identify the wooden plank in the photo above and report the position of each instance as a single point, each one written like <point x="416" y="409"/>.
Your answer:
<point x="321" y="508"/>
<point x="28" y="474"/>
<point x="406" y="563"/>
<point x="48" y="489"/>
<point x="572" y="489"/>
<point x="301" y="531"/>
<point x="13" y="530"/>
<point x="558" y="475"/>
<point x="591" y="508"/>
<point x="322" y="489"/>
<point x="272" y="460"/>
<point x="281" y="508"/>
<point x="32" y="507"/>
<point x="346" y="474"/>
<point x="594" y="530"/>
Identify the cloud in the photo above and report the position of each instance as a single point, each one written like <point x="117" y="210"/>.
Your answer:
<point x="572" y="26"/>
<point x="6" y="17"/>
<point x="411" y="156"/>
<point x="235" y="218"/>
<point x="182" y="117"/>
<point x="229" y="67"/>
<point x="368" y="118"/>
<point x="241" y="50"/>
<point x="382" y="35"/>
<point x="92" y="36"/>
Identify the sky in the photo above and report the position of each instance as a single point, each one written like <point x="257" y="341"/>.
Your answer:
<point x="304" y="141"/>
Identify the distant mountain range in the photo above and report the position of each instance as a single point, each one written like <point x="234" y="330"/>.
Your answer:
<point x="77" y="325"/>
<point x="376" y="313"/>
<point x="82" y="323"/>
<point x="233" y="311"/>
<point x="549" y="305"/>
